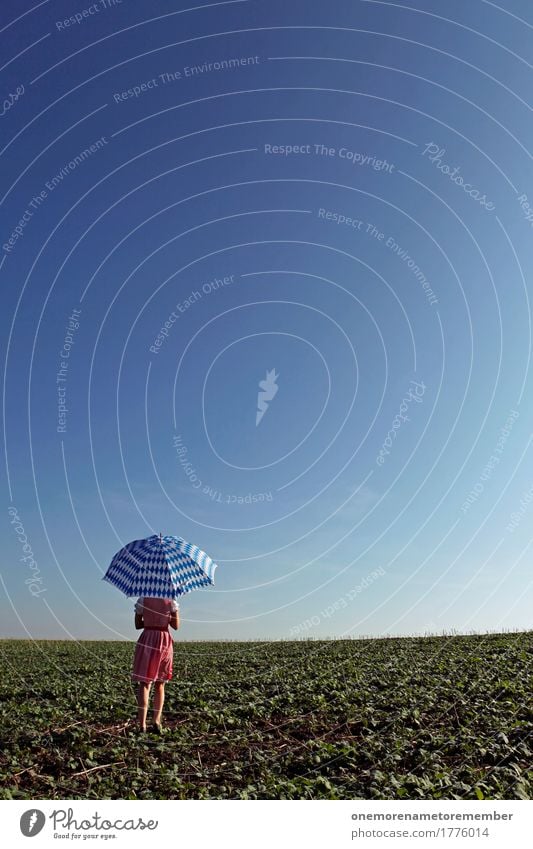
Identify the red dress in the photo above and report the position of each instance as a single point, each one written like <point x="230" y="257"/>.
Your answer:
<point x="154" y="650"/>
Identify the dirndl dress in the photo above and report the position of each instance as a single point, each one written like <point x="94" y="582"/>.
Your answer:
<point x="154" y="650"/>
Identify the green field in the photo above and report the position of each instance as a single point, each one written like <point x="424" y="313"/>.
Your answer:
<point x="410" y="718"/>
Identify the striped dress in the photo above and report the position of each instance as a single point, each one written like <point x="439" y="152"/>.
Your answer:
<point x="154" y="650"/>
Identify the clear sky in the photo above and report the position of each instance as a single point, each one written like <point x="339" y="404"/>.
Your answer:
<point x="334" y="199"/>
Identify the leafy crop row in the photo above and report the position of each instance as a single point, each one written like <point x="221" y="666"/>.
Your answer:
<point x="413" y="718"/>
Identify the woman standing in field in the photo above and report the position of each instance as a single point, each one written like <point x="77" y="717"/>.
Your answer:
<point x="154" y="653"/>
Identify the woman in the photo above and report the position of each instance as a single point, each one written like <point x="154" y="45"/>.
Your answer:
<point x="154" y="652"/>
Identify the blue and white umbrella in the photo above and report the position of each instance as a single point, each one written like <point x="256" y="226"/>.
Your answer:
<point x="160" y="567"/>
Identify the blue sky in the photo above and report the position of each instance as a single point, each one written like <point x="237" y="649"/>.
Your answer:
<point x="342" y="200"/>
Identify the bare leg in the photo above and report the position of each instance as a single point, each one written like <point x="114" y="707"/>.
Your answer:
<point x="143" y="694"/>
<point x="159" y="700"/>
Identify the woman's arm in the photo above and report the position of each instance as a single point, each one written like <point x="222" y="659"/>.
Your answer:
<point x="139" y="623"/>
<point x="175" y="619"/>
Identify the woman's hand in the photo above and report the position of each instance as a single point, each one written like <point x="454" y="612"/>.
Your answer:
<point x="175" y="619"/>
<point x="139" y="622"/>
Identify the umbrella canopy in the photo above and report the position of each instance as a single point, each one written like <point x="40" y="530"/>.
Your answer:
<point x="160" y="567"/>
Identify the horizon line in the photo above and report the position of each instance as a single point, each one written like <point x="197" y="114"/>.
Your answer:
<point x="310" y="639"/>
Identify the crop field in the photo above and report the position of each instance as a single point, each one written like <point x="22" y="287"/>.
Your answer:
<point x="407" y="718"/>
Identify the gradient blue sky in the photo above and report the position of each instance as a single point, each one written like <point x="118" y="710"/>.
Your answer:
<point x="181" y="193"/>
